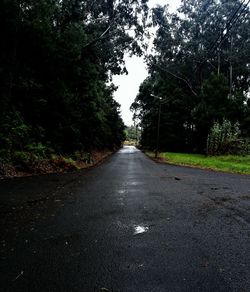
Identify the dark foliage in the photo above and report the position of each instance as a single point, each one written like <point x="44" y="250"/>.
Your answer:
<point x="56" y="62"/>
<point x="197" y="53"/>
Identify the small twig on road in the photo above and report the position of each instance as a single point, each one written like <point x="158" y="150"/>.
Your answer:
<point x="18" y="276"/>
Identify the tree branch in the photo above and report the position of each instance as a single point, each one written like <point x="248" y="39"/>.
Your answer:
<point x="98" y="38"/>
<point x="101" y="36"/>
<point x="180" y="78"/>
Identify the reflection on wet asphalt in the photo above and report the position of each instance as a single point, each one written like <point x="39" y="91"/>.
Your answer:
<point x="140" y="229"/>
<point x="129" y="225"/>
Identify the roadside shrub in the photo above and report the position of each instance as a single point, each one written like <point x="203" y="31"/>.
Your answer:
<point x="83" y="156"/>
<point x="20" y="157"/>
<point x="225" y="139"/>
<point x="39" y="150"/>
<point x="63" y="163"/>
<point x="240" y="146"/>
<point x="14" y="132"/>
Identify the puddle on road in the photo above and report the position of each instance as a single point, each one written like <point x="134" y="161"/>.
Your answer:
<point x="121" y="192"/>
<point x="138" y="229"/>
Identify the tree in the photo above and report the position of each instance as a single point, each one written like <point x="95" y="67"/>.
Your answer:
<point x="200" y="68"/>
<point x="56" y="68"/>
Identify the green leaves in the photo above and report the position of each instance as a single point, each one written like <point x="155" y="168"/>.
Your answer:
<point x="225" y="138"/>
<point x="56" y="63"/>
<point x="197" y="51"/>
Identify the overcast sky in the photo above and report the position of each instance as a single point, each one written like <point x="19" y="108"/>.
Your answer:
<point x="129" y="84"/>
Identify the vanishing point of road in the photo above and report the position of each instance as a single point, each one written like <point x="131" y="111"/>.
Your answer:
<point x="128" y="225"/>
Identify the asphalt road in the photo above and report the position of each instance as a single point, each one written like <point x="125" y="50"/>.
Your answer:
<point x="129" y="225"/>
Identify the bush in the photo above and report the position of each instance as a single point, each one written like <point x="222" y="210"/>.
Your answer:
<point x="39" y="150"/>
<point x="225" y="139"/>
<point x="64" y="163"/>
<point x="14" y="132"/>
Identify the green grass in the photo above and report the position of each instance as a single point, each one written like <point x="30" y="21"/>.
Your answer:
<point x="228" y="163"/>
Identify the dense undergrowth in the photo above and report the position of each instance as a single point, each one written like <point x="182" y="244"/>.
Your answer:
<point x="30" y="163"/>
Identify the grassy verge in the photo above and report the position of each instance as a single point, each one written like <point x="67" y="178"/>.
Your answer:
<point x="228" y="163"/>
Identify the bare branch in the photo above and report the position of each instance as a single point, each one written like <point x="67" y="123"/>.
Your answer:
<point x="100" y="37"/>
<point x="180" y="78"/>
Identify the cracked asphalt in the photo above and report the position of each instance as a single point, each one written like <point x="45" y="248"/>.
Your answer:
<point x="128" y="225"/>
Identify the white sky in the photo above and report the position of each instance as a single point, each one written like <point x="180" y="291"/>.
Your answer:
<point x="137" y="72"/>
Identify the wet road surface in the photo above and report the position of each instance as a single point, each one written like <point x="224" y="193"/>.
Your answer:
<point x="129" y="225"/>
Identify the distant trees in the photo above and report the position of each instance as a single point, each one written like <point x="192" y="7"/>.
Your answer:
<point x="57" y="58"/>
<point x="133" y="134"/>
<point x="200" y="67"/>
